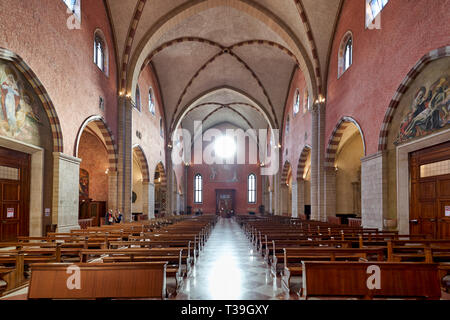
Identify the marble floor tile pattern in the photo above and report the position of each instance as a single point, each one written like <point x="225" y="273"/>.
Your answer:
<point x="229" y="269"/>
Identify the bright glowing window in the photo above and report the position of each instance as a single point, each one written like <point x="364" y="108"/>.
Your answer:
<point x="345" y="56"/>
<point x="375" y="7"/>
<point x="224" y="147"/>
<point x="151" y="101"/>
<point x="252" y="188"/>
<point x="74" y="6"/>
<point x="296" y="102"/>
<point x="198" y="188"/>
<point x="99" y="53"/>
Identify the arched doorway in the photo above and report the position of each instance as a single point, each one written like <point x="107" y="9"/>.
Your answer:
<point x="160" y="181"/>
<point x="140" y="181"/>
<point x="343" y="171"/>
<point x="304" y="183"/>
<point x="414" y="139"/>
<point x="29" y="134"/>
<point x="96" y="148"/>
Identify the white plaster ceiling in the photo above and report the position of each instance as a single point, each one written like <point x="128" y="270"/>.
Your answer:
<point x="263" y="72"/>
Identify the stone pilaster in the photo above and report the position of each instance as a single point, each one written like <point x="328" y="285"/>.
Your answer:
<point x="150" y="194"/>
<point x="315" y="212"/>
<point x="321" y="163"/>
<point x="374" y="190"/>
<point x="277" y="194"/>
<point x="145" y="198"/>
<point x="113" y="195"/>
<point x="294" y="209"/>
<point x="66" y="179"/>
<point x="330" y="192"/>
<point x="300" y="197"/>
<point x="125" y="157"/>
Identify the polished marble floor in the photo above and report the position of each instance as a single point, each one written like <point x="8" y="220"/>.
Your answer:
<point x="229" y="269"/>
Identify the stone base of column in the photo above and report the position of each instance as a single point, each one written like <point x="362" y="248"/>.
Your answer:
<point x="66" y="179"/>
<point x="373" y="190"/>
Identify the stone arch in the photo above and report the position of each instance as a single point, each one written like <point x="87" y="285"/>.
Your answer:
<point x="143" y="162"/>
<point x="41" y="92"/>
<point x="404" y="86"/>
<point x="302" y="161"/>
<point x="192" y="104"/>
<point x="285" y="172"/>
<point x="336" y="135"/>
<point x="131" y="66"/>
<point x="106" y="135"/>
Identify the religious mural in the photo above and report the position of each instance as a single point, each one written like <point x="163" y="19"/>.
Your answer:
<point x="429" y="111"/>
<point x="224" y="173"/>
<point x="20" y="109"/>
<point x="84" y="184"/>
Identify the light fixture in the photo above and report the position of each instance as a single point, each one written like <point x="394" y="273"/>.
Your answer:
<point x="224" y="147"/>
<point x="107" y="171"/>
<point x="169" y="145"/>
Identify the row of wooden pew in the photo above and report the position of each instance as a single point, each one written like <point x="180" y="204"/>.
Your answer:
<point x="342" y="261"/>
<point x="128" y="260"/>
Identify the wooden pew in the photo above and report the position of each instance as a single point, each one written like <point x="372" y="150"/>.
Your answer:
<point x="294" y="257"/>
<point x="349" y="279"/>
<point x="13" y="275"/>
<point x="177" y="264"/>
<point x="99" y="281"/>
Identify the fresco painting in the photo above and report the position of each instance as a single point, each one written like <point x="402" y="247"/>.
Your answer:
<point x="20" y="109"/>
<point x="429" y="111"/>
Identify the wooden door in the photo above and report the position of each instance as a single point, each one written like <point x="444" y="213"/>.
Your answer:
<point x="225" y="201"/>
<point x="14" y="194"/>
<point x="430" y="191"/>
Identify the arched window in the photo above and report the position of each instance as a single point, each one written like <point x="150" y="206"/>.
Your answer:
<point x="99" y="52"/>
<point x="74" y="6"/>
<point x="198" y="188"/>
<point x="151" y="101"/>
<point x="287" y="124"/>
<point x="348" y="54"/>
<point x="138" y="98"/>
<point x="296" y="102"/>
<point x="345" y="53"/>
<point x="251" y="188"/>
<point x="161" y="129"/>
<point x="373" y="8"/>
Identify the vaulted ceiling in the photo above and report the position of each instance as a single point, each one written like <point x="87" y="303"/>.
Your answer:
<point x="224" y="61"/>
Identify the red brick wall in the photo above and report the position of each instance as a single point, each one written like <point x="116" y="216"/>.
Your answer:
<point x="95" y="160"/>
<point x="147" y="123"/>
<point x="62" y="59"/>
<point x="300" y="124"/>
<point x="381" y="59"/>
<point x="209" y="188"/>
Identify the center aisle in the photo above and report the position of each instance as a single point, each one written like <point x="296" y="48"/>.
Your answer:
<point x="228" y="269"/>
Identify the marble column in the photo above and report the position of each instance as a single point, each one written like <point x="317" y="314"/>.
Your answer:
<point x="330" y="192"/>
<point x="125" y="157"/>
<point x="374" y="197"/>
<point x="66" y="179"/>
<point x="300" y="197"/>
<point x="315" y="212"/>
<point x="294" y="199"/>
